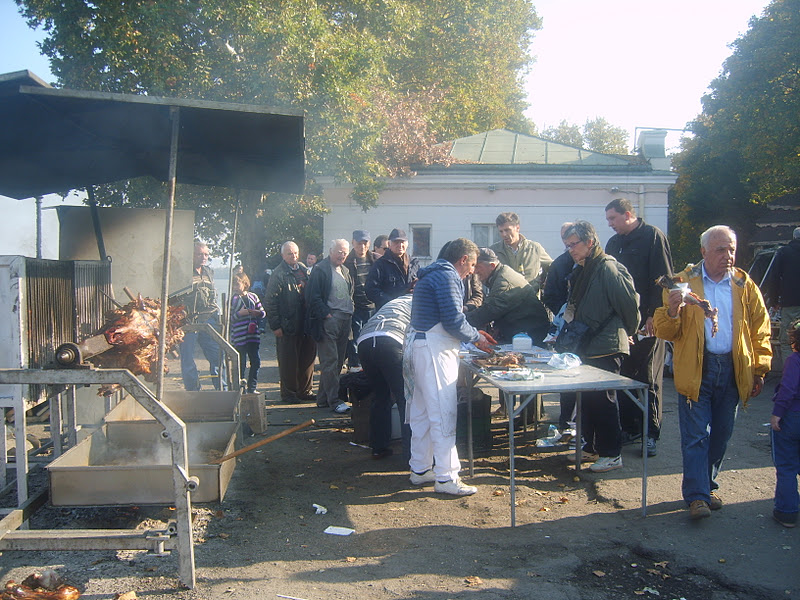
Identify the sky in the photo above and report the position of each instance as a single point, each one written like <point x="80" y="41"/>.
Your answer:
<point x="637" y="63"/>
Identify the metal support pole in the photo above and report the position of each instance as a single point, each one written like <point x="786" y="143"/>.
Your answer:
<point x="174" y="113"/>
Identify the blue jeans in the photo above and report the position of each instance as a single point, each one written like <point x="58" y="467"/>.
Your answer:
<point x="706" y="426"/>
<point x="786" y="457"/>
<point x="212" y="352"/>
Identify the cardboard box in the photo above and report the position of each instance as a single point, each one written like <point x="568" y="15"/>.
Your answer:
<point x="254" y="412"/>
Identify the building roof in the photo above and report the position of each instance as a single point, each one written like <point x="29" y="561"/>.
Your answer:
<point x="504" y="147"/>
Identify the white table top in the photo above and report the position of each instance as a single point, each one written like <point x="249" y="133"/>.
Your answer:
<point x="580" y="379"/>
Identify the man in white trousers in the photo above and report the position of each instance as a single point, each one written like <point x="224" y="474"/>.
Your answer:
<point x="438" y="326"/>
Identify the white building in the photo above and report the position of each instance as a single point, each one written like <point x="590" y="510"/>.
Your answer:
<point x="544" y="182"/>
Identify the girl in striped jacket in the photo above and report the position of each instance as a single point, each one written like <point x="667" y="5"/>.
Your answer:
<point x="246" y="311"/>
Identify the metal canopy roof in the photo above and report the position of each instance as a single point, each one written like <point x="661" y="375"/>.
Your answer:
<point x="53" y="140"/>
<point x="504" y="147"/>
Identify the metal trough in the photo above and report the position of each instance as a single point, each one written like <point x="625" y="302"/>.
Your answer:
<point x="191" y="407"/>
<point x="130" y="462"/>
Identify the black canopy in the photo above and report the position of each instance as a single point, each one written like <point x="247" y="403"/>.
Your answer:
<point x="54" y="140"/>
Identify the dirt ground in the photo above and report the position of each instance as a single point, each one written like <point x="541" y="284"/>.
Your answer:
<point x="577" y="536"/>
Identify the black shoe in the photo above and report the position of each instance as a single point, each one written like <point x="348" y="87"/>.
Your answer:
<point x="785" y="519"/>
<point x="309" y="398"/>
<point x="630" y="438"/>
<point x="383" y="453"/>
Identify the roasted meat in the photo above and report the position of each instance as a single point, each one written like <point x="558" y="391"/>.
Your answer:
<point x="668" y="283"/>
<point x="133" y="332"/>
<point x="31" y="590"/>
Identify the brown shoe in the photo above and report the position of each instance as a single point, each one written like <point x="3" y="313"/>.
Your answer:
<point x="698" y="509"/>
<point x="716" y="502"/>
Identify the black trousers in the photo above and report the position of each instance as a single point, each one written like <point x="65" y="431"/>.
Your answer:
<point x="646" y="364"/>
<point x="382" y="361"/>
<point x="600" y="412"/>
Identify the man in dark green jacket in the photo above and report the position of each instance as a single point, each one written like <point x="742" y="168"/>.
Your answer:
<point x="285" y="308"/>
<point x="511" y="303"/>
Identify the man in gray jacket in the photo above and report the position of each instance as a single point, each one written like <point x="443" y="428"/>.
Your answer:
<point x="523" y="255"/>
<point x="329" y="309"/>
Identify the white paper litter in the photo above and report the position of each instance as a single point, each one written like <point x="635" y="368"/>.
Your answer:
<point x="334" y="530"/>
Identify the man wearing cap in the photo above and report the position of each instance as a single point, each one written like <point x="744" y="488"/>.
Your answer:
<point x="511" y="303"/>
<point x="359" y="262"/>
<point x="523" y="255"/>
<point x="782" y="289"/>
<point x="394" y="273"/>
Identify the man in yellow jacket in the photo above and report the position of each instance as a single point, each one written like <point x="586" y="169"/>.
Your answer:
<point x="716" y="364"/>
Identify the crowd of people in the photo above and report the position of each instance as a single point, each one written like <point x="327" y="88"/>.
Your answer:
<point x="376" y="309"/>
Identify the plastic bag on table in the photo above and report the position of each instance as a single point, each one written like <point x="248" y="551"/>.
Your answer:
<point x="567" y="360"/>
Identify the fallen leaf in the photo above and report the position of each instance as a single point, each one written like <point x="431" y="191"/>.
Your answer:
<point x="224" y="535"/>
<point x="576" y="479"/>
<point x="473" y="580"/>
<point x="350" y="559"/>
<point x="544" y="509"/>
<point x="125" y="596"/>
<point x="350" y="487"/>
<point x="563" y="499"/>
<point x="396" y="508"/>
<point x="562" y="485"/>
<point x="317" y="460"/>
<point x="639" y="592"/>
<point x="334" y="487"/>
<point x="498" y="493"/>
<point x="722" y="561"/>
<point x="598" y="573"/>
<point x="661" y="565"/>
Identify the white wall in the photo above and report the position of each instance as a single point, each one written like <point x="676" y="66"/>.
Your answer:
<point x="541" y="205"/>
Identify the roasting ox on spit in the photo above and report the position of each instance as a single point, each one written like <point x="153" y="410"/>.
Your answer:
<point x="128" y="339"/>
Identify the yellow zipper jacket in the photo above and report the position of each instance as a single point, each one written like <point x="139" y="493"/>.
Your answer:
<point x="751" y="350"/>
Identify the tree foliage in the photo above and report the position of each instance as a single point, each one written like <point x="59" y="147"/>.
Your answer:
<point x="596" y="134"/>
<point x="357" y="67"/>
<point x="746" y="143"/>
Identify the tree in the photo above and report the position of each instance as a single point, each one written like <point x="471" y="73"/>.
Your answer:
<point x="355" y="66"/>
<point x="597" y="135"/>
<point x="746" y="142"/>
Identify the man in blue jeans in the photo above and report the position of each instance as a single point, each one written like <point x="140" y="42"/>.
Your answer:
<point x="721" y="354"/>
<point x="201" y="306"/>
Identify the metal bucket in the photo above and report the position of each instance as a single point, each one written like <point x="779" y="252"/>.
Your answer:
<point x="129" y="463"/>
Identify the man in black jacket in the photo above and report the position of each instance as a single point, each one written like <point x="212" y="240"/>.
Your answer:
<point x="285" y="306"/>
<point x="329" y="309"/>
<point x="782" y="289"/>
<point x="394" y="273"/>
<point x="644" y="250"/>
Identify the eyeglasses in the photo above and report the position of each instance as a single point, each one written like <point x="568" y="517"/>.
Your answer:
<point x="571" y="245"/>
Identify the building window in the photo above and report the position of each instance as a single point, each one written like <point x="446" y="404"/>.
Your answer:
<point x="484" y="234"/>
<point x="421" y="241"/>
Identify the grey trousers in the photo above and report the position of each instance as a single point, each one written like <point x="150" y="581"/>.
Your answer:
<point x="331" y="350"/>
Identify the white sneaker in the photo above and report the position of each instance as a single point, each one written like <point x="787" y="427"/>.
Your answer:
<point x="342" y="408"/>
<point x="606" y="463"/>
<point x="454" y="487"/>
<point x="422" y="479"/>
